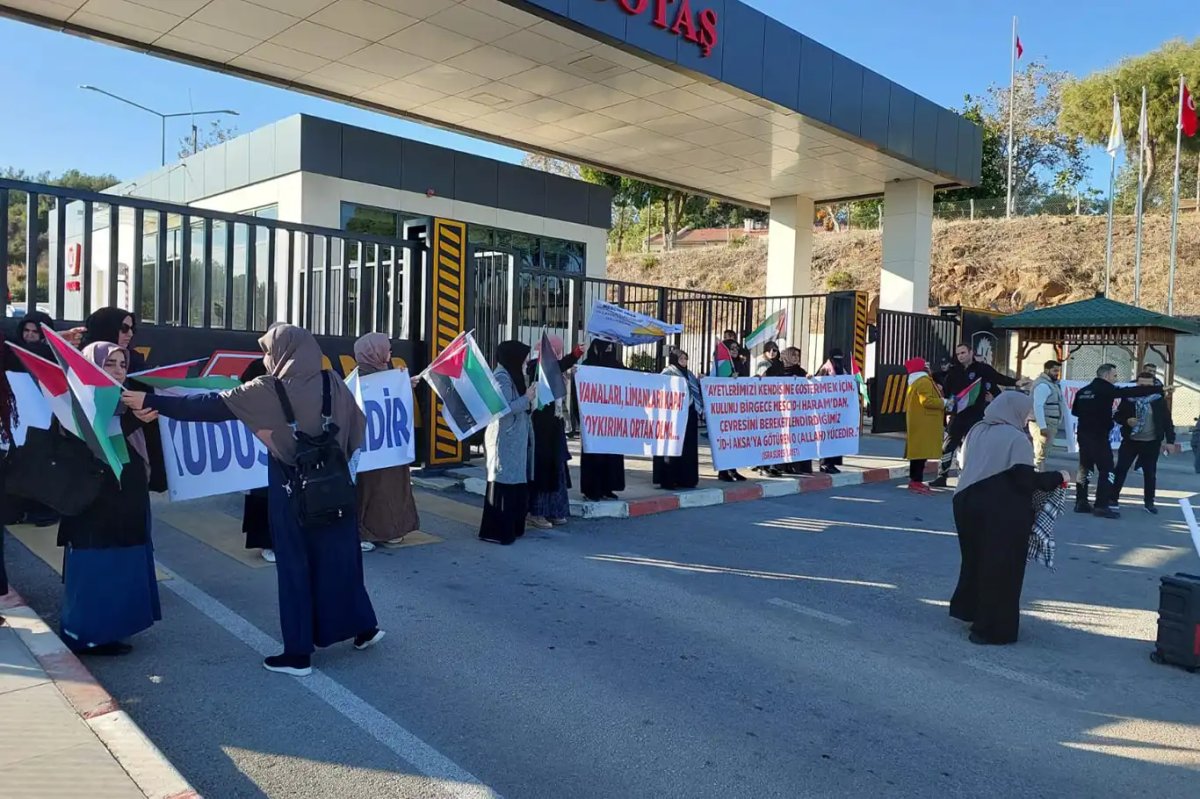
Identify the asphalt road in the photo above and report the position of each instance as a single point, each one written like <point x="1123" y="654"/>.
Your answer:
<point x="782" y="648"/>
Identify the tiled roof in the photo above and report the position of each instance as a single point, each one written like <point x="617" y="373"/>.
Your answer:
<point x="1098" y="312"/>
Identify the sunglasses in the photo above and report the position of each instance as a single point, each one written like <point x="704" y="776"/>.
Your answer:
<point x="128" y="328"/>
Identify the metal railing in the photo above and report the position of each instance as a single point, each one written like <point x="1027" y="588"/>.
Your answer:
<point x="177" y="265"/>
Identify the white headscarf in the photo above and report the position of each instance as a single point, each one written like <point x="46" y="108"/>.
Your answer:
<point x="1000" y="442"/>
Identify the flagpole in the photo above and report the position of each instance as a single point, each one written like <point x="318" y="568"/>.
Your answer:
<point x="1137" y="251"/>
<point x="1012" y="83"/>
<point x="1175" y="202"/>
<point x="1112" y="173"/>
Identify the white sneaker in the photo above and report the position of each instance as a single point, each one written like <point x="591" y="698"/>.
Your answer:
<point x="268" y="555"/>
<point x="366" y="546"/>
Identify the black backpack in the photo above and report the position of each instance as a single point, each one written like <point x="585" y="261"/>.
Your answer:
<point x="319" y="485"/>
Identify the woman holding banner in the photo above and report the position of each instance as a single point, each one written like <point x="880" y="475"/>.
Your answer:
<point x="322" y="598"/>
<point x="110" y="590"/>
<point x="602" y="476"/>
<point x="683" y="471"/>
<point x="508" y="442"/>
<point x="386" y="509"/>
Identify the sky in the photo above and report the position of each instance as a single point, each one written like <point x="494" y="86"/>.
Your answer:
<point x="942" y="49"/>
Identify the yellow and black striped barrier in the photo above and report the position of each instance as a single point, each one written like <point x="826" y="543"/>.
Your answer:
<point x="447" y="318"/>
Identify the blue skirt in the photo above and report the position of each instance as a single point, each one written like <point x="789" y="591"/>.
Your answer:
<point x="552" y="504"/>
<point x="322" y="597"/>
<point x="108" y="595"/>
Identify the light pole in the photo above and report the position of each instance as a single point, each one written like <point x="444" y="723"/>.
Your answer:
<point x="161" y="116"/>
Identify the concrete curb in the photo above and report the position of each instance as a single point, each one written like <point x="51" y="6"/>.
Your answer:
<point x="707" y="497"/>
<point x="142" y="760"/>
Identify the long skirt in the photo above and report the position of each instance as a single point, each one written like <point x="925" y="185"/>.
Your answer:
<point x="554" y="504"/>
<point x="601" y="474"/>
<point x="683" y="471"/>
<point x="990" y="579"/>
<point x="386" y="507"/>
<point x="108" y="594"/>
<point x="322" y="597"/>
<point x="256" y="523"/>
<point x="504" y="511"/>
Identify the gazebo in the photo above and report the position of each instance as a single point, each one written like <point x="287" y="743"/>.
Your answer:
<point x="1098" y="322"/>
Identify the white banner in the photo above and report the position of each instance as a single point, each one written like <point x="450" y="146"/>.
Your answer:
<point x="204" y="459"/>
<point x="770" y="420"/>
<point x="1069" y="389"/>
<point x="614" y="323"/>
<point x="623" y="412"/>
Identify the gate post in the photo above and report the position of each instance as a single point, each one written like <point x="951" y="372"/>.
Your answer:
<point x="843" y="311"/>
<point x="447" y="304"/>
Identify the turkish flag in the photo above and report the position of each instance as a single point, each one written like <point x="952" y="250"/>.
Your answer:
<point x="1187" y="114"/>
<point x="1020" y="49"/>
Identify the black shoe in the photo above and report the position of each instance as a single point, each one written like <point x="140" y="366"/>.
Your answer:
<point x="937" y="482"/>
<point x="368" y="639"/>
<point x="1083" y="507"/>
<point x="771" y="471"/>
<point x="725" y="477"/>
<point x="295" y="665"/>
<point x="831" y="470"/>
<point x="113" y="649"/>
<point x="976" y="638"/>
<point x="1106" y="513"/>
<point x="741" y="478"/>
<point x="501" y="541"/>
<point x="592" y="499"/>
<point x="1152" y="510"/>
<point x="610" y="495"/>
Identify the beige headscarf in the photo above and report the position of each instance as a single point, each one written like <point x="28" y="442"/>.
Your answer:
<point x="373" y="353"/>
<point x="1000" y="442"/>
<point x="98" y="353"/>
<point x="293" y="358"/>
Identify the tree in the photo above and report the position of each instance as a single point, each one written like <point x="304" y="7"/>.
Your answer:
<point x="1087" y="105"/>
<point x="203" y="138"/>
<point x="554" y="166"/>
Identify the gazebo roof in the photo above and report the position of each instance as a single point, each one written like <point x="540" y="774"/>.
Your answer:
<point x="1098" y="313"/>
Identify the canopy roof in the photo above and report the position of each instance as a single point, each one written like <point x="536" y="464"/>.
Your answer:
<point x="1098" y="313"/>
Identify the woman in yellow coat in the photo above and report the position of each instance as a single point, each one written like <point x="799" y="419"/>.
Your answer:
<point x="926" y="411"/>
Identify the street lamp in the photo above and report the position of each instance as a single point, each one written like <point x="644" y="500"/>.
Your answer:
<point x="161" y="116"/>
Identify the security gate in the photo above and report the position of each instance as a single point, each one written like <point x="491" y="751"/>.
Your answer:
<point x="901" y="336"/>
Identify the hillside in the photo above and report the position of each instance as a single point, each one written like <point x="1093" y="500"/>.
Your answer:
<point x="1001" y="264"/>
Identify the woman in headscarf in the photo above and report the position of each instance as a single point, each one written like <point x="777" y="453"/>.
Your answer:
<point x="994" y="515"/>
<point x="791" y="358"/>
<point x="110" y="588"/>
<point x="769" y="365"/>
<point x="925" y="413"/>
<point x="508" y="441"/>
<point x="834" y="365"/>
<point x="322" y="598"/>
<point x="117" y="326"/>
<point x="602" y="476"/>
<point x="256" y="520"/>
<point x="387" y="510"/>
<point x="549" y="505"/>
<point x="27" y="335"/>
<point x="683" y="471"/>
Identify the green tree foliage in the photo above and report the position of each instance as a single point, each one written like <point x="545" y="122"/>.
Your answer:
<point x="1087" y="112"/>
<point x="201" y="138"/>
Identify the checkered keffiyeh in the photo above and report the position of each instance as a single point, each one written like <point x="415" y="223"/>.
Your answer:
<point x="1048" y="505"/>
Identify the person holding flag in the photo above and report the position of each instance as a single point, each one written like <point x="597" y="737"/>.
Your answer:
<point x="110" y="589"/>
<point x="508" y="442"/>
<point x="549" y="505"/>
<point x="683" y="471"/>
<point x="972" y="385"/>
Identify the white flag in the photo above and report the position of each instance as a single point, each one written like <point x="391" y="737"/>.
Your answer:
<point x="1143" y="127"/>
<point x="1116" y="137"/>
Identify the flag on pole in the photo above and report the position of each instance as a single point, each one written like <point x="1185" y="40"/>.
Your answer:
<point x="967" y="397"/>
<point x="722" y="361"/>
<point x="1143" y="129"/>
<point x="469" y="393"/>
<point x="169" y="379"/>
<point x="1020" y="48"/>
<point x="95" y="396"/>
<point x="771" y="329"/>
<point x="1187" y="113"/>
<point x="1116" y="136"/>
<point x="52" y="381"/>
<point x="550" y="383"/>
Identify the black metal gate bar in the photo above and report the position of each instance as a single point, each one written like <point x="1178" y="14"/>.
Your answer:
<point x="900" y="336"/>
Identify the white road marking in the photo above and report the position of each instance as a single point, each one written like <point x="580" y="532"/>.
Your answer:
<point x="816" y="614"/>
<point x="452" y="780"/>
<point x="1025" y="679"/>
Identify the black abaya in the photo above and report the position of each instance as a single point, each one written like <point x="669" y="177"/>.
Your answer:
<point x="994" y="518"/>
<point x="602" y="475"/>
<point x="504" y="510"/>
<point x="683" y="471"/>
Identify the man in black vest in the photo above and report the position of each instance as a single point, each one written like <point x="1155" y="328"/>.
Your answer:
<point x="962" y="373"/>
<point x="1093" y="407"/>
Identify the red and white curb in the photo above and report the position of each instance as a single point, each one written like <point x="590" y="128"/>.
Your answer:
<point x="142" y="761"/>
<point x="707" y="497"/>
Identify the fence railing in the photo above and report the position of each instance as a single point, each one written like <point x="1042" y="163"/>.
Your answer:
<point x="184" y="266"/>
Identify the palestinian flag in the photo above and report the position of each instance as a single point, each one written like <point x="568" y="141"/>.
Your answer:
<point x="771" y="329"/>
<point x="52" y="381"/>
<point x="462" y="380"/>
<point x="859" y="380"/>
<point x="550" y="383"/>
<point x="968" y="396"/>
<point x="94" y="400"/>
<point x="722" y="361"/>
<point x="184" y="375"/>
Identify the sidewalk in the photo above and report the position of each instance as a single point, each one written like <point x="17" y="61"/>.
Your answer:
<point x="61" y="733"/>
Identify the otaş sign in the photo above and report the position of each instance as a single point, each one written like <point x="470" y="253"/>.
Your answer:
<point x="677" y="17"/>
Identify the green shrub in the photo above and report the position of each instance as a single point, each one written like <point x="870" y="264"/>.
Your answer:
<point x="839" y="281"/>
<point x="649" y="261"/>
